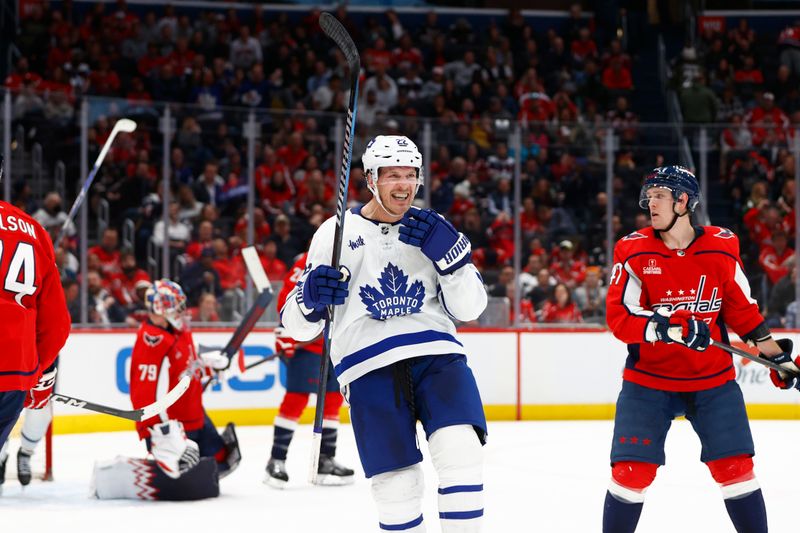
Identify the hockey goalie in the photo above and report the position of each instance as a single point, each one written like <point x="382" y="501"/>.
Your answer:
<point x="188" y="455"/>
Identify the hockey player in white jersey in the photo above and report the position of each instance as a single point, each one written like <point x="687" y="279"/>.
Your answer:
<point x="406" y="273"/>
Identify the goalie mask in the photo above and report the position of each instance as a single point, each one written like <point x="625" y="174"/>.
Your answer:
<point x="165" y="298"/>
<point x="390" y="151"/>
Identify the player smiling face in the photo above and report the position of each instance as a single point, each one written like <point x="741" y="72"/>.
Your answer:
<point x="660" y="204"/>
<point x="396" y="187"/>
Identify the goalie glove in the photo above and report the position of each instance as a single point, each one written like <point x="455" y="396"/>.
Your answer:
<point x="40" y="394"/>
<point x="679" y="326"/>
<point x="426" y="229"/>
<point x="784" y="380"/>
<point x="172" y="451"/>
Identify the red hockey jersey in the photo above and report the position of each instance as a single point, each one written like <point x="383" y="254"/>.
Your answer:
<point x="706" y="278"/>
<point x="153" y="345"/>
<point x="289" y="281"/>
<point x="34" y="321"/>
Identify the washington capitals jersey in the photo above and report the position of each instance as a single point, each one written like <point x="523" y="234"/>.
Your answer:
<point x="289" y="282"/>
<point x="706" y="278"/>
<point x="153" y="345"/>
<point x="399" y="306"/>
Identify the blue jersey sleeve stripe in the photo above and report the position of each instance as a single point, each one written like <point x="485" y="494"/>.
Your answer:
<point x="401" y="527"/>
<point x="461" y="515"/>
<point x="461" y="488"/>
<point x="407" y="339"/>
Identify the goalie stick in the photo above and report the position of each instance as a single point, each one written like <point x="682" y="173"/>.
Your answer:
<point x="334" y="29"/>
<point x="137" y="415"/>
<point x="123" y="125"/>
<point x="265" y="294"/>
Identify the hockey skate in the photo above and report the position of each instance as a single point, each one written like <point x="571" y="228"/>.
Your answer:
<point x="330" y="472"/>
<point x="23" y="467"/>
<point x="276" y="477"/>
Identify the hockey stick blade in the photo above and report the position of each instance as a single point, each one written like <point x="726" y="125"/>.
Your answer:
<point x="137" y="415"/>
<point x="334" y="29"/>
<point x="123" y="125"/>
<point x="256" y="269"/>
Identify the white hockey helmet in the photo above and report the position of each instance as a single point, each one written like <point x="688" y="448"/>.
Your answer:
<point x="166" y="298"/>
<point x="390" y="151"/>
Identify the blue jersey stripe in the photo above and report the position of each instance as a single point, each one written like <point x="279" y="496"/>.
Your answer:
<point x="401" y="527"/>
<point x="461" y="488"/>
<point x="461" y="515"/>
<point x="383" y="346"/>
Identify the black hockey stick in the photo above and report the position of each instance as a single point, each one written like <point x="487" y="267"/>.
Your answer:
<point x="760" y="360"/>
<point x="123" y="125"/>
<point x="264" y="288"/>
<point x="676" y="335"/>
<point x="334" y="29"/>
<point x="137" y="415"/>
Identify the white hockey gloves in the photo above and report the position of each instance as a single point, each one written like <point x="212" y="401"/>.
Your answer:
<point x="426" y="229"/>
<point x="679" y="326"/>
<point x="172" y="451"/>
<point x="215" y="360"/>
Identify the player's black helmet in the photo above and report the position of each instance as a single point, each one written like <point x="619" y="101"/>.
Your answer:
<point x="677" y="179"/>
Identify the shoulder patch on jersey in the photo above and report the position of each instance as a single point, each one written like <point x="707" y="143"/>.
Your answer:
<point x="725" y="233"/>
<point x="394" y="297"/>
<point x="356" y="243"/>
<point x="634" y="236"/>
<point x="152" y="340"/>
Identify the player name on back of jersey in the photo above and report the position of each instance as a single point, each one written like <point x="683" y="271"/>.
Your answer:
<point x="13" y="223"/>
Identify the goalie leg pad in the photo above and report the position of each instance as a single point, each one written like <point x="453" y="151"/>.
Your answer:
<point x="457" y="455"/>
<point x="398" y="496"/>
<point x="141" y="479"/>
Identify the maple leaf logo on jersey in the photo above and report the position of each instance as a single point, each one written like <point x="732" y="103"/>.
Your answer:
<point x="725" y="233"/>
<point x="634" y="236"/>
<point x="152" y="340"/>
<point x="395" y="297"/>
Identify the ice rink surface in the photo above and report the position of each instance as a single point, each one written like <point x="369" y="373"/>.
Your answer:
<point x="540" y="477"/>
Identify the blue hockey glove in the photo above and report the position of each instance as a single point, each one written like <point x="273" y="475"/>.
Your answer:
<point x="784" y="380"/>
<point x="448" y="249"/>
<point x="694" y="333"/>
<point x="324" y="286"/>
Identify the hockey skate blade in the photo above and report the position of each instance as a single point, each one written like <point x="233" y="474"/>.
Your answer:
<point x="329" y="480"/>
<point x="274" y="483"/>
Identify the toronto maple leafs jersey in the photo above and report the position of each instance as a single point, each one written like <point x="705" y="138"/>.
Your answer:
<point x="399" y="306"/>
<point x="706" y="278"/>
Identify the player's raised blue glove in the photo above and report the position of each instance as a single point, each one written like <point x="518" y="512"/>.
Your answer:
<point x="448" y="249"/>
<point x="322" y="287"/>
<point x="681" y="326"/>
<point x="784" y="380"/>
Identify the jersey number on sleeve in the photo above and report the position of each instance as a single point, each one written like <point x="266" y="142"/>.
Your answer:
<point x="21" y="271"/>
<point x="148" y="372"/>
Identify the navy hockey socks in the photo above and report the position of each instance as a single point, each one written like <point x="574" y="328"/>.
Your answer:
<point x="329" y="436"/>
<point x="281" y="439"/>
<point x="748" y="513"/>
<point x="620" y="516"/>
